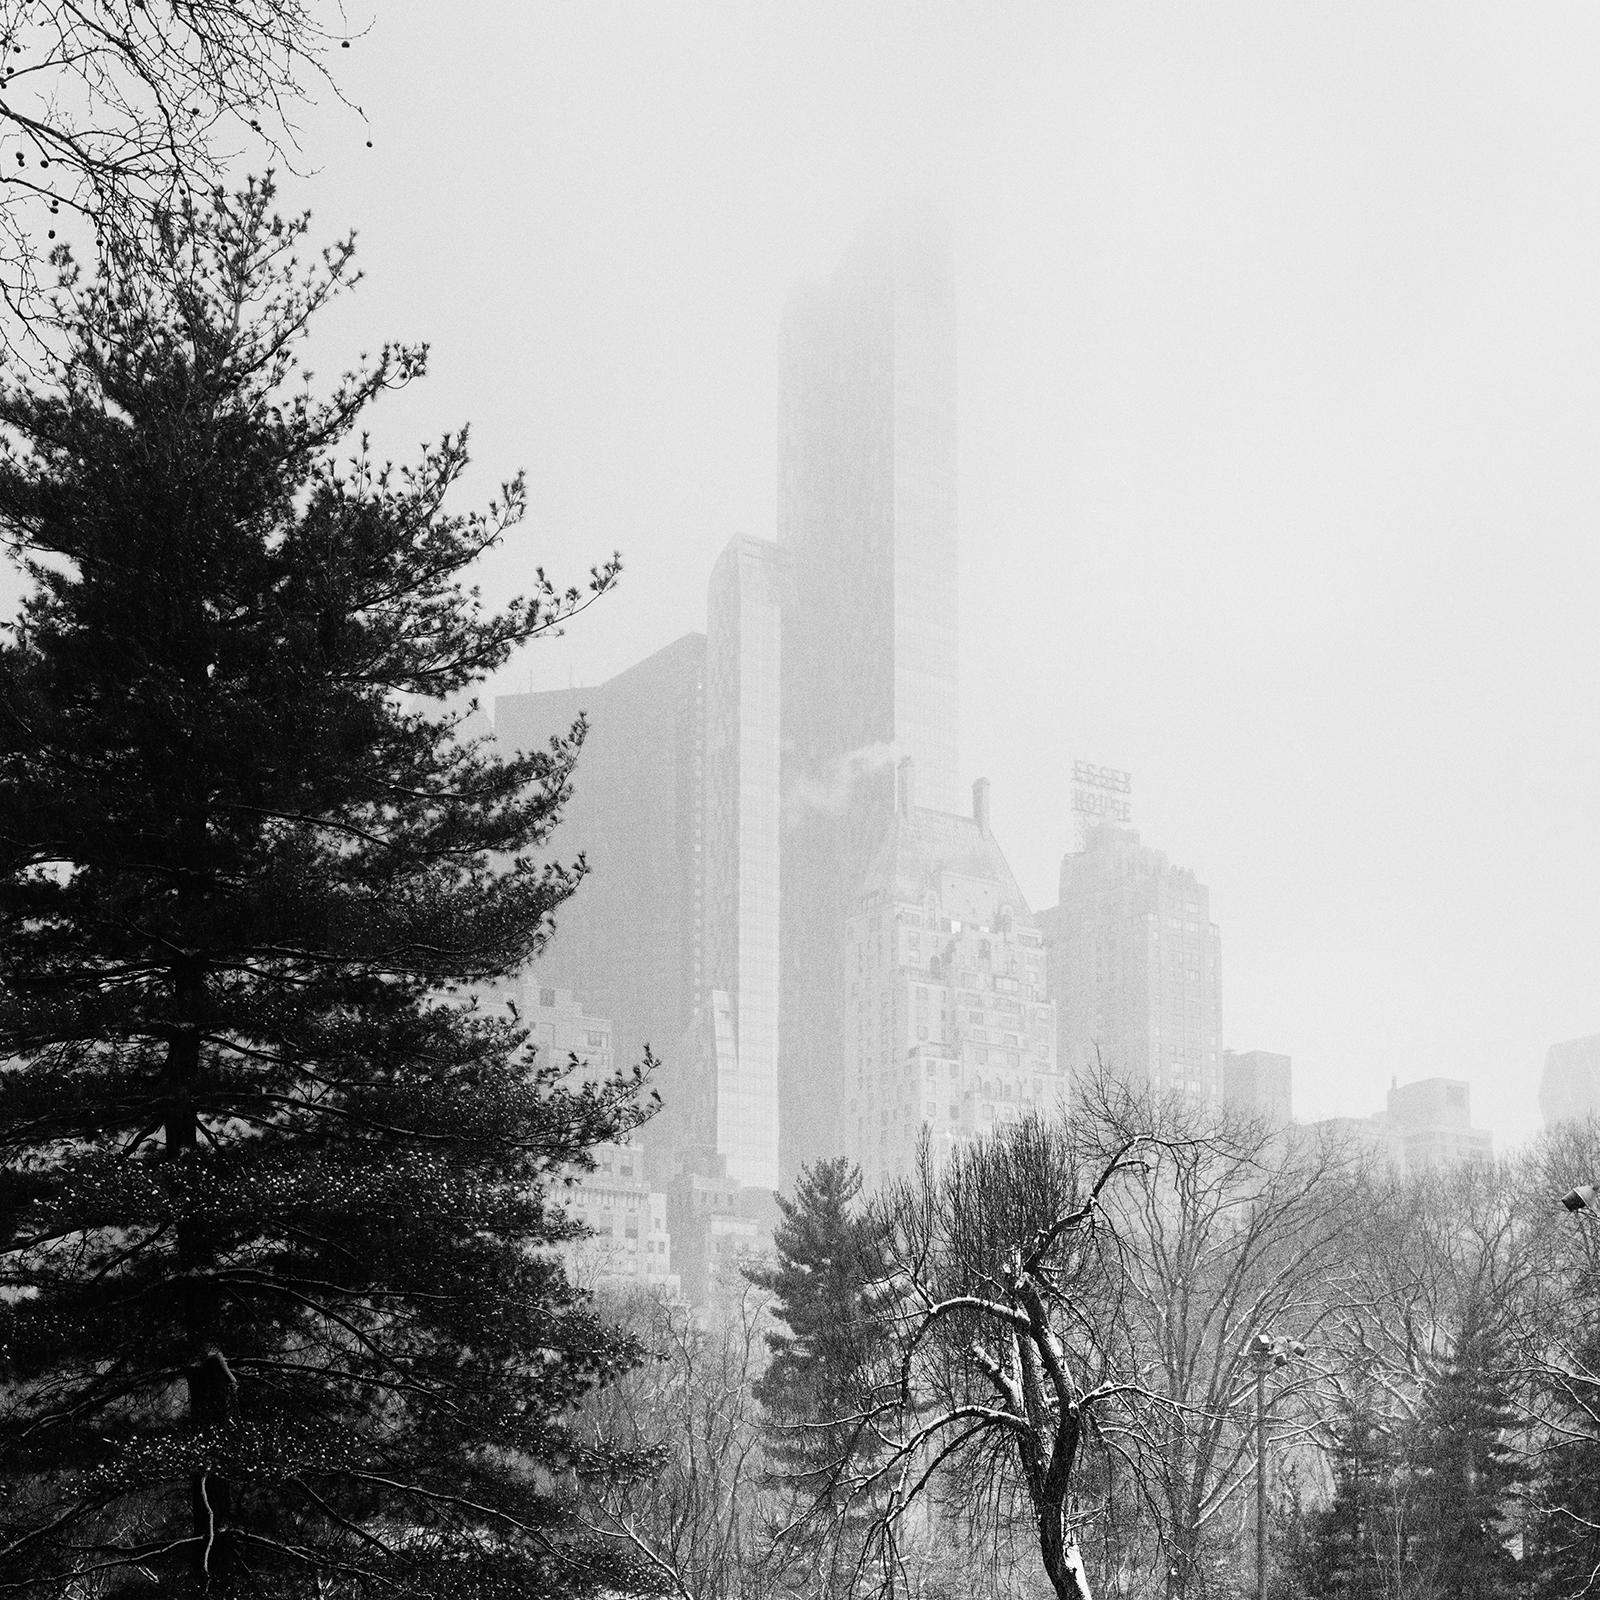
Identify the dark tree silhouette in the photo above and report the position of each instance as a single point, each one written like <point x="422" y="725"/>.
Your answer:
<point x="279" y="1304"/>
<point x="821" y="1282"/>
<point x="1346" y="1549"/>
<point x="818" y="1394"/>
<point x="1466" y="1474"/>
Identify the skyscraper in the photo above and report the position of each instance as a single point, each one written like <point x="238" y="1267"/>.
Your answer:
<point x="867" y="517"/>
<point x="676" y="806"/>
<point x="1135" y="968"/>
<point x="736" y="790"/>
<point x="744" y="652"/>
<point x="630" y="940"/>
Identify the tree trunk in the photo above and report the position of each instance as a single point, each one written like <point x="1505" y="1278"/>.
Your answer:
<point x="1063" y="1561"/>
<point x="213" y="1389"/>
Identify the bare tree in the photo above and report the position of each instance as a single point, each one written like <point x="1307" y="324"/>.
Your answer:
<point x="997" y="1370"/>
<point x="113" y="111"/>
<point x="1558" y="1348"/>
<point x="1237" y="1234"/>
<point x="699" y="1518"/>
<point x="1430" y="1354"/>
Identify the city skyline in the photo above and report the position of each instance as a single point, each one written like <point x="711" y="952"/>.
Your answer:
<point x="829" y="665"/>
<point x="857" y="971"/>
<point x="1275" y="428"/>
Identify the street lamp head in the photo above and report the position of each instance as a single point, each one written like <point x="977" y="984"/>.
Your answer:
<point x="1579" y="1199"/>
<point x="1264" y="1348"/>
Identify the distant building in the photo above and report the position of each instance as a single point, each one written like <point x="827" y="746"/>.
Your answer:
<point x="630" y="1242"/>
<point x="737" y="790"/>
<point x="630" y="940"/>
<point x="867" y="509"/>
<point x="1569" y="1091"/>
<point x="1135" y="969"/>
<point x="948" y="1030"/>
<point x="1431" y="1122"/>
<point x="1258" y="1084"/>
<point x="867" y="518"/>
<point x="1424" y="1126"/>
<point x="720" y="1227"/>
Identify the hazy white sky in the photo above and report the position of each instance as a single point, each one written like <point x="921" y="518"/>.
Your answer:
<point x="1280" y="394"/>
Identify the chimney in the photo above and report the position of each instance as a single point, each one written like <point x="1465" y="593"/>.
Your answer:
<point x="906" y="787"/>
<point x="980" y="805"/>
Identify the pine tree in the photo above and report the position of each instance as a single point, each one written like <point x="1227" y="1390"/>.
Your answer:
<point x="1341" y="1552"/>
<point x="1466" y="1476"/>
<point x="819" y="1384"/>
<point x="280" y="1305"/>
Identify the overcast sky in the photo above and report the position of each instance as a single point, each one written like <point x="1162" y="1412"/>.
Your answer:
<point x="1280" y="392"/>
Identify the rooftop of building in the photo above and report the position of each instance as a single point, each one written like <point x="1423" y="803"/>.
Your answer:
<point x="1585" y="1050"/>
<point x="1115" y="854"/>
<point x="923" y="849"/>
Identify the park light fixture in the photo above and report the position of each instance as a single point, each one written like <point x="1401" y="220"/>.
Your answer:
<point x="1267" y="1351"/>
<point x="1579" y="1199"/>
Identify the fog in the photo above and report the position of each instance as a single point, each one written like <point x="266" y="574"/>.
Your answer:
<point x="1277" y="413"/>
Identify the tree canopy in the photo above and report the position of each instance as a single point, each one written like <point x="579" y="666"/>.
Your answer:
<point x="116" y="113"/>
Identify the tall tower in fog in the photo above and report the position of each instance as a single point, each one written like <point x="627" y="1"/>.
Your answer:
<point x="739" y="1047"/>
<point x="867" y="518"/>
<point x="867" y="509"/>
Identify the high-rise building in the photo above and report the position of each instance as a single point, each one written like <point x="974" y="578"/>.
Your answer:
<point x="867" y="518"/>
<point x="735" y="790"/>
<point x="739" y="1005"/>
<point x="1431" y="1123"/>
<point x="1570" y="1088"/>
<point x="1258" y="1084"/>
<point x="948" y="1031"/>
<point x="630" y="940"/>
<point x="1135" y="969"/>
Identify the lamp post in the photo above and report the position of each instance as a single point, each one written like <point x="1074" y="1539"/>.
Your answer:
<point x="1265" y="1351"/>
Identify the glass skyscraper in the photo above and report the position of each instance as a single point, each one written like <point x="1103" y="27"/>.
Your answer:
<point x="630" y="942"/>
<point x="744" y="655"/>
<point x="867" y="518"/>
